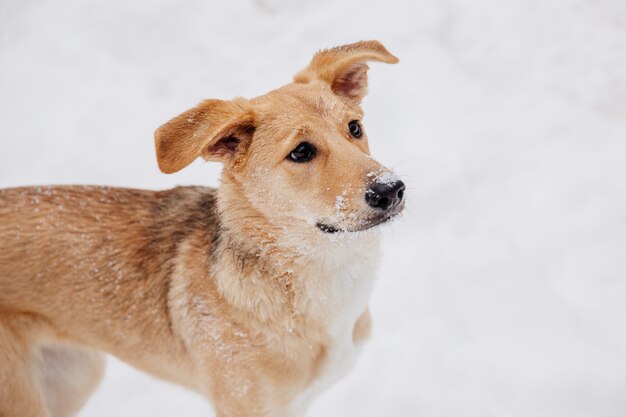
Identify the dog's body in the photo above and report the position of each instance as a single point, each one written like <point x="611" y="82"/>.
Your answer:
<point x="255" y="298"/>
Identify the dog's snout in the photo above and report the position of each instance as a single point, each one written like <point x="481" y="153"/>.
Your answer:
<point x="385" y="195"/>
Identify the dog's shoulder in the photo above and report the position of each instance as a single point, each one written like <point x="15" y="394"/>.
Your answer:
<point x="181" y="210"/>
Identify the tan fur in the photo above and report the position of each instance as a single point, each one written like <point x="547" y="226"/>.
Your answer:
<point x="231" y="292"/>
<point x="362" y="328"/>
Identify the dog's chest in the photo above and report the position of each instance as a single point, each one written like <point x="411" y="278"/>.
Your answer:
<point x="339" y="294"/>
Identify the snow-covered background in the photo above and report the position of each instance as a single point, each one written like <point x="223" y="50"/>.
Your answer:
<point x="503" y="288"/>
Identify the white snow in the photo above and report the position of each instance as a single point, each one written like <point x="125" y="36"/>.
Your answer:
<point x="502" y="288"/>
<point x="383" y="177"/>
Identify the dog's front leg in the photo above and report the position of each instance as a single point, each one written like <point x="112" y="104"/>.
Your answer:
<point x="235" y="393"/>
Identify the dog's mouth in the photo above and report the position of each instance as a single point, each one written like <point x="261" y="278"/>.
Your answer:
<point x="364" y="224"/>
<point x="327" y="229"/>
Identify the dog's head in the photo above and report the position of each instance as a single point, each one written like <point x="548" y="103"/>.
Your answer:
<point x="298" y="155"/>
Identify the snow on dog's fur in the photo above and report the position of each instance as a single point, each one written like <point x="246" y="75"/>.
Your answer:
<point x="254" y="294"/>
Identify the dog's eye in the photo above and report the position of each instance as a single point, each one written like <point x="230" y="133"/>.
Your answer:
<point x="355" y="129"/>
<point x="304" y="152"/>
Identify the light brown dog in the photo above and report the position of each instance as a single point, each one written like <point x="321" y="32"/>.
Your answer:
<point x="254" y="294"/>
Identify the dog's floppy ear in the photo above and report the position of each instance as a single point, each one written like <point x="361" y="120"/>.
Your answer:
<point x="344" y="68"/>
<point x="214" y="129"/>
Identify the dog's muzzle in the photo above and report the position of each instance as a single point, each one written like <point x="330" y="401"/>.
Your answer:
<point x="387" y="198"/>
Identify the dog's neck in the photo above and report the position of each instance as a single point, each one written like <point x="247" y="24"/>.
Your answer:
<point x="306" y="273"/>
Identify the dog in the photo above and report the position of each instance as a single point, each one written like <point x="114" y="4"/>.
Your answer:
<point x="254" y="294"/>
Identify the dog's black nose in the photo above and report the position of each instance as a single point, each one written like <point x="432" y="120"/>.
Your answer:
<point x="385" y="195"/>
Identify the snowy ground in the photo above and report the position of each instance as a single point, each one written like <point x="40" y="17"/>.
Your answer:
<point x="503" y="289"/>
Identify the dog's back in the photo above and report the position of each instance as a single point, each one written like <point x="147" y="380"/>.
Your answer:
<point x="59" y="236"/>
